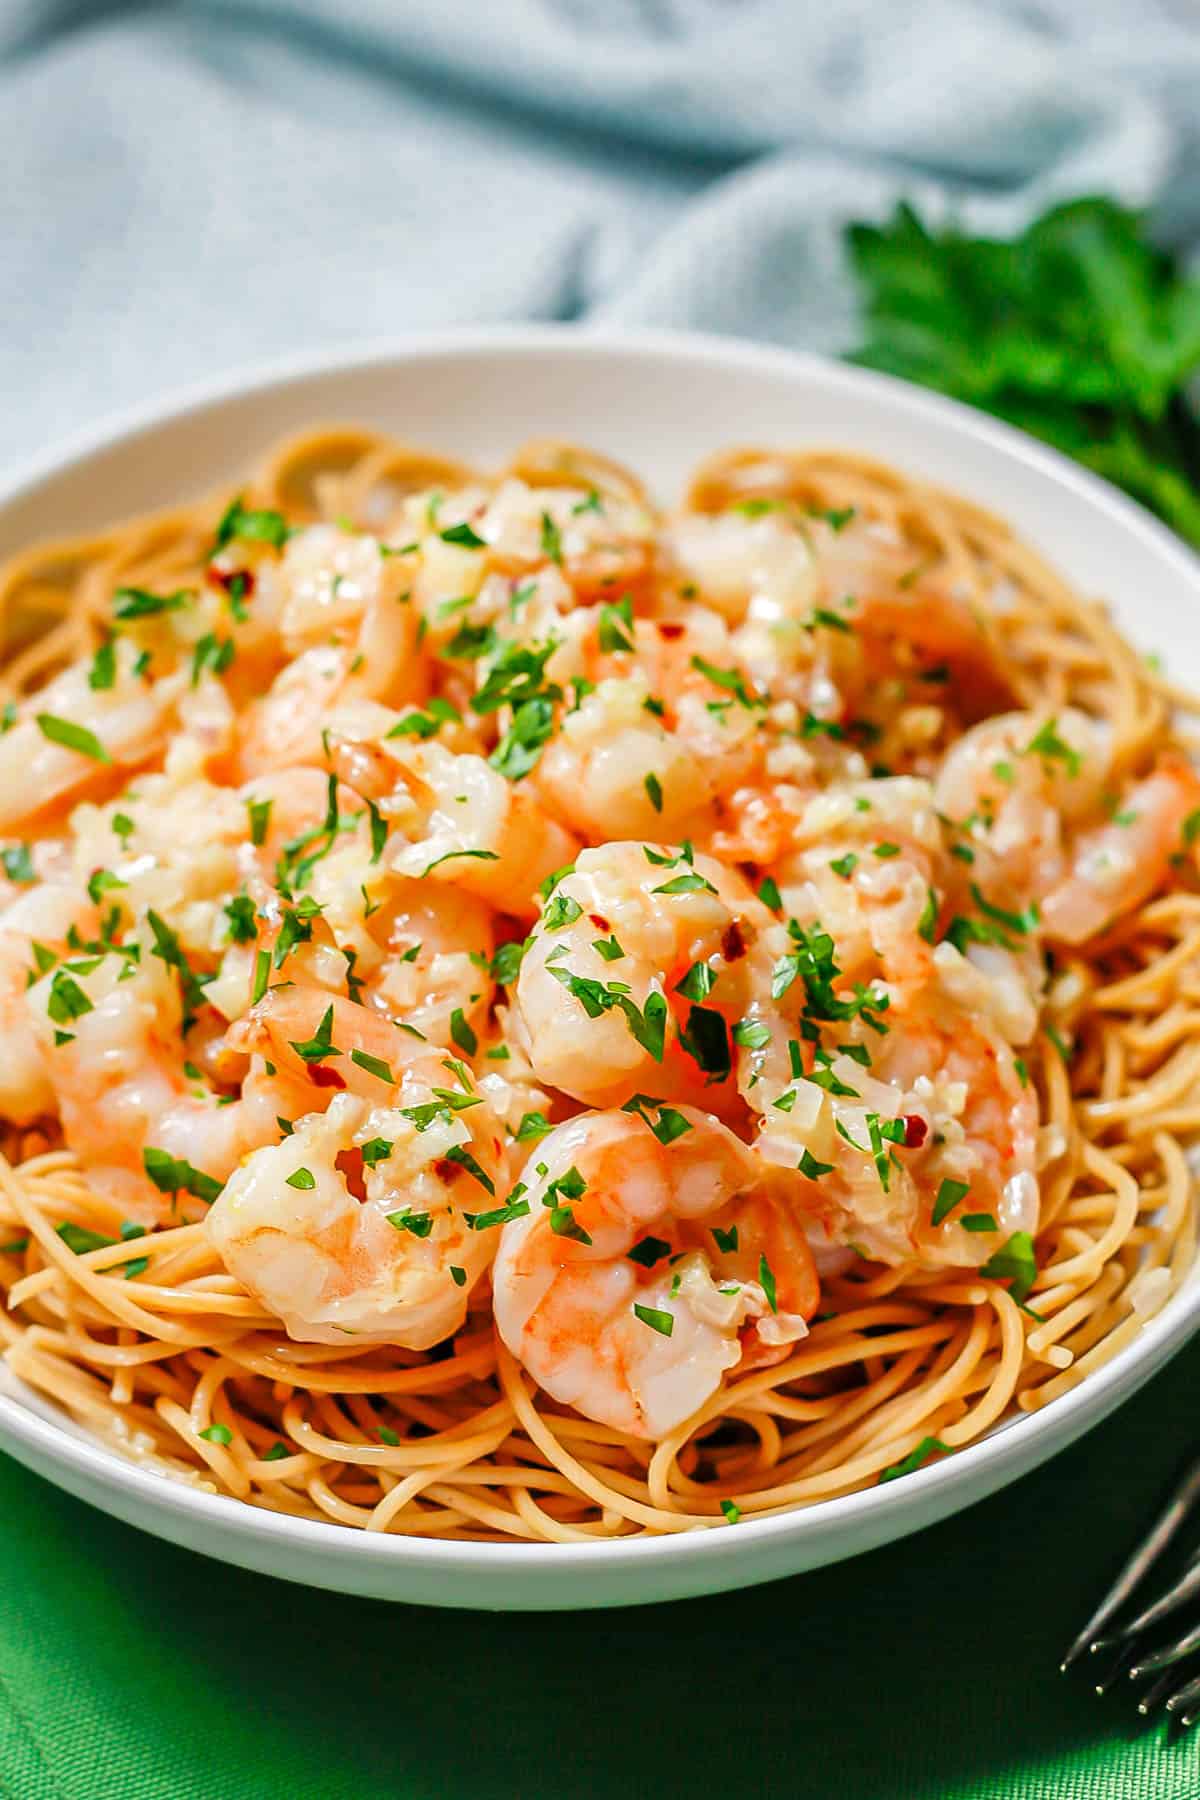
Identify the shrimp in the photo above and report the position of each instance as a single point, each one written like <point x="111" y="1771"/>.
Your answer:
<point x="351" y="632"/>
<point x="748" y="563"/>
<point x="432" y="944"/>
<point x="602" y="544"/>
<point x="847" y="607"/>
<point x="865" y="859"/>
<point x="452" y="817"/>
<point x="899" y="629"/>
<point x="389" y="1255"/>
<point x="110" y="1033"/>
<point x="671" y="742"/>
<point x="641" y="963"/>
<point x="41" y="915"/>
<point x="73" y="739"/>
<point x="934" y="1110"/>
<point x="588" y="1296"/>
<point x="1115" y="866"/>
<point x="1013" y="782"/>
<point x="1027" y="789"/>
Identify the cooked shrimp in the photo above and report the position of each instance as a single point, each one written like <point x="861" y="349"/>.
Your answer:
<point x="1026" y="789"/>
<point x="865" y="861"/>
<point x="351" y="630"/>
<point x="615" y="768"/>
<point x="73" y="739"/>
<point x="902" y="634"/>
<point x="589" y="1297"/>
<point x="749" y="563"/>
<point x="851" y="606"/>
<point x="452" y="817"/>
<point x="603" y="544"/>
<point x="599" y="994"/>
<point x="432" y="945"/>
<point x="673" y="724"/>
<point x="1114" y="867"/>
<point x="110" y="1033"/>
<point x="43" y="914"/>
<point x="1014" y="782"/>
<point x="877" y="1134"/>
<point x="393" y="1258"/>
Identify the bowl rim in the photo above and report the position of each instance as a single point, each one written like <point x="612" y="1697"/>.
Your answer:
<point x="945" y="1484"/>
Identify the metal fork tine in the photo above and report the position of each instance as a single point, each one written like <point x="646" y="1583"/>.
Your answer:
<point x="1183" y="1705"/>
<point x="1184" y="1590"/>
<point x="1155" y="1695"/>
<point x="1143" y="1559"/>
<point x="1125" y="1654"/>
<point x="1170" y="1653"/>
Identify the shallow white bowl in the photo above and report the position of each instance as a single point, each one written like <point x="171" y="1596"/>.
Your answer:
<point x="660" y="402"/>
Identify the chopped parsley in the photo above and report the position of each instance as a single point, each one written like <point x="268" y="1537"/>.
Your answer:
<point x="175" y="1175"/>
<point x="373" y="1065"/>
<point x="908" y="1465"/>
<point x="1016" y="1263"/>
<point x="662" y="1322"/>
<point x="18" y="865"/>
<point x="72" y="737"/>
<point x="551" y="539"/>
<point x="670" y="1123"/>
<point x="138" y="603"/>
<point x="648" y="1251"/>
<point x="463" y="534"/>
<point x="948" y="1196"/>
<point x="262" y="526"/>
<point x="427" y="723"/>
<point x="1047" y="744"/>
<point x="614" y="626"/>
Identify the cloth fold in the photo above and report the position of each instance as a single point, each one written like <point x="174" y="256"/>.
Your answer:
<point x="195" y="186"/>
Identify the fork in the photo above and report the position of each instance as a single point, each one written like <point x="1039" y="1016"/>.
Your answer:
<point x="1129" y="1646"/>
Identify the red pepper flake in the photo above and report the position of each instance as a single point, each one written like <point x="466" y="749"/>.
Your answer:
<point x="320" y="1076"/>
<point x="599" y="921"/>
<point x="225" y="578"/>
<point x="915" y="1131"/>
<point x="446" y="1170"/>
<point x="670" y="629"/>
<point x="733" y="944"/>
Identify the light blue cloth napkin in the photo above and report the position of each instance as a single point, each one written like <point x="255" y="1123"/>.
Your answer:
<point x="189" y="187"/>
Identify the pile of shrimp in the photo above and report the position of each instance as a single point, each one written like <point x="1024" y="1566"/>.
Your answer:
<point x="474" y="899"/>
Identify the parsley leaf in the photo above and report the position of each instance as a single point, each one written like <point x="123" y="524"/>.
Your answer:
<point x="1080" y="330"/>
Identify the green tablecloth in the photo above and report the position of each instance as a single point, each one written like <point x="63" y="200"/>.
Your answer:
<point x="132" y="1671"/>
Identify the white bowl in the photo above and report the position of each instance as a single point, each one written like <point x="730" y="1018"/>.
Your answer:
<point x="660" y="402"/>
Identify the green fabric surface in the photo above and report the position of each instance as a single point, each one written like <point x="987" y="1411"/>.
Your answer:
<point x="133" y="1671"/>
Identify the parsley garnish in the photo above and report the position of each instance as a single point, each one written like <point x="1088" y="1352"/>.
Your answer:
<point x="137" y="603"/>
<point x="18" y="865"/>
<point x="551" y="539"/>
<point x="670" y="1123"/>
<point x="662" y="1322"/>
<point x="262" y="526"/>
<point x="463" y="534"/>
<point x="374" y="1065"/>
<point x="72" y="737"/>
<point x="928" y="1446"/>
<point x="614" y="626"/>
<point x="175" y="1175"/>
<point x="1015" y="1262"/>
<point x="319" y="1047"/>
<point x="948" y="1196"/>
<point x="648" y="1251"/>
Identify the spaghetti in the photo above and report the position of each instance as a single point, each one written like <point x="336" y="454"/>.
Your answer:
<point x="138" y="1329"/>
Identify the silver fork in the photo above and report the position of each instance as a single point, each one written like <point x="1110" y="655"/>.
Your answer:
<point x="1129" y="1646"/>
